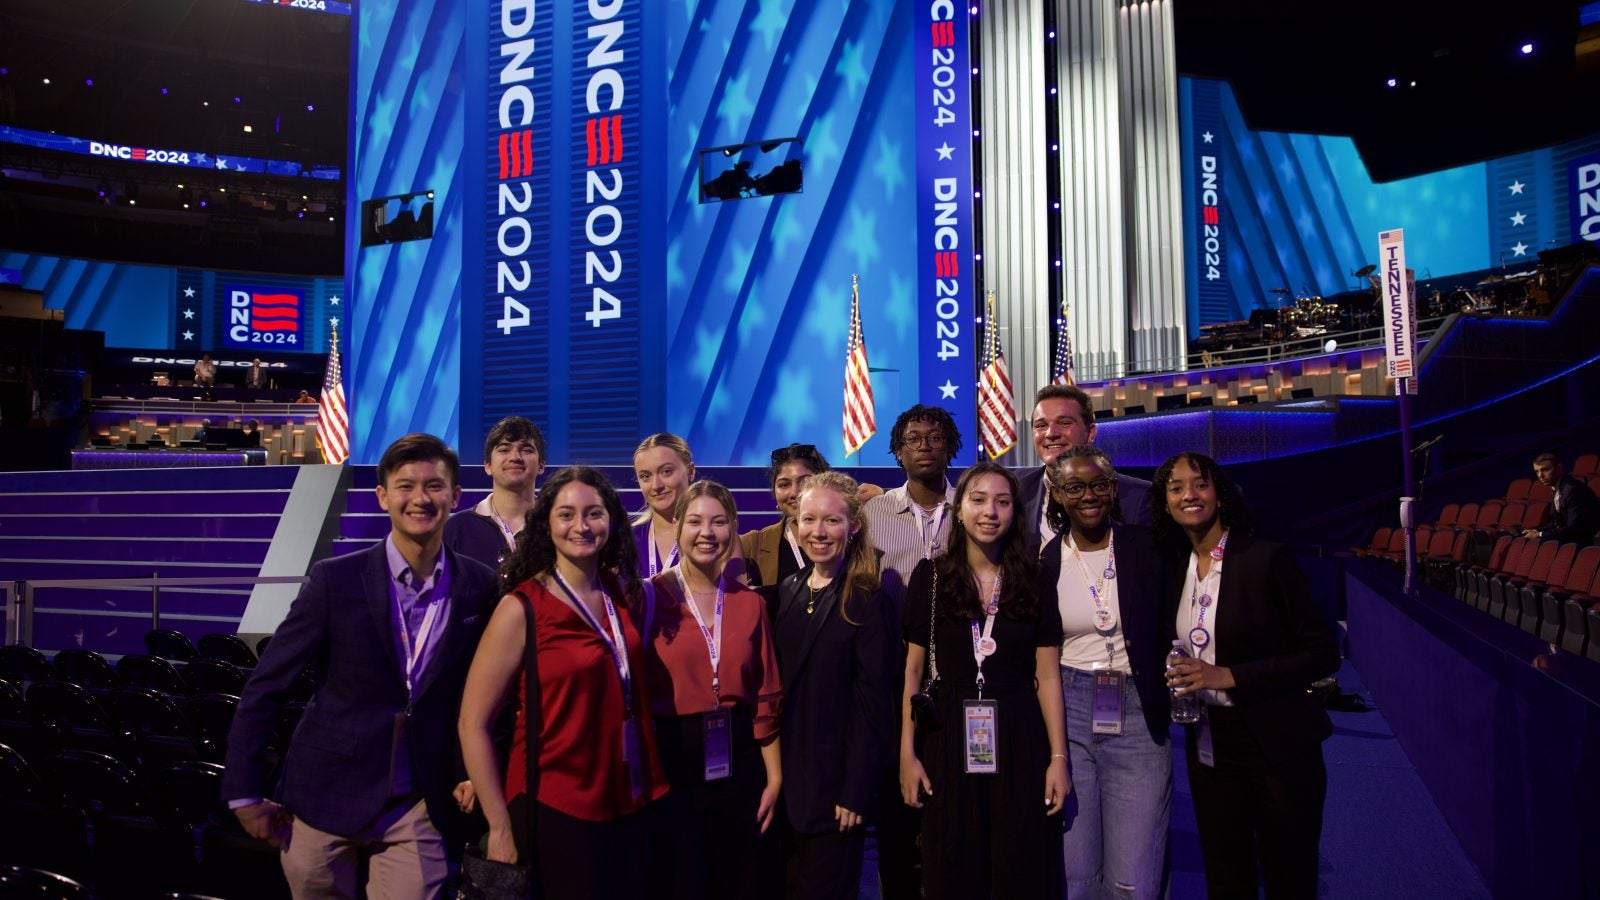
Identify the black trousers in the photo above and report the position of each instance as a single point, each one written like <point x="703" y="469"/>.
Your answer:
<point x="582" y="860"/>
<point x="707" y="843"/>
<point x="1259" y="822"/>
<point x="899" y="830"/>
<point x="824" y="866"/>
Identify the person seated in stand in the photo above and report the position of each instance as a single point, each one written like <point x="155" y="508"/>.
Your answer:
<point x="201" y="432"/>
<point x="1574" y="514"/>
<point x="205" y="372"/>
<point x="305" y="398"/>
<point x="251" y="433"/>
<point x="368" y="778"/>
<point x="513" y="457"/>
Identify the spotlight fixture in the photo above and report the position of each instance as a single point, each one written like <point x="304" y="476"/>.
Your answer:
<point x="1392" y="82"/>
<point x="47" y="81"/>
<point x="163" y="92"/>
<point x="1527" y="49"/>
<point x="311" y="107"/>
<point x="88" y="82"/>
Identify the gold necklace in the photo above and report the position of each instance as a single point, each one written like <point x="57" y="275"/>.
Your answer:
<point x="811" y="602"/>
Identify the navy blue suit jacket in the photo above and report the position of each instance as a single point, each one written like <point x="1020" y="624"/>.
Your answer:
<point x="337" y="771"/>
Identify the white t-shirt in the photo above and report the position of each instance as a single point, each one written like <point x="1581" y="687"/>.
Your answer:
<point x="1082" y="647"/>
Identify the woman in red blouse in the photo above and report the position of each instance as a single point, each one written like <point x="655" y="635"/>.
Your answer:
<point x="596" y="767"/>
<point x="717" y="727"/>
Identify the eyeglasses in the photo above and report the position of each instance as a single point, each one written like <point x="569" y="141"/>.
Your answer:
<point x="1102" y="487"/>
<point x="933" y="440"/>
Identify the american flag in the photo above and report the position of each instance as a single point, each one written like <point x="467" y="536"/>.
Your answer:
<point x="997" y="408"/>
<point x="1061" y="366"/>
<point x="333" y="422"/>
<point x="859" y="423"/>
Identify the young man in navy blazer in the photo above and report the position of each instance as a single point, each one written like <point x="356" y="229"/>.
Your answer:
<point x="1063" y="417"/>
<point x="371" y="768"/>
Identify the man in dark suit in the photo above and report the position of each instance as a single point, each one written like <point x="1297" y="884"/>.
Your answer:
<point x="1063" y="416"/>
<point x="513" y="457"/>
<point x="1574" y="510"/>
<point x="369" y="772"/>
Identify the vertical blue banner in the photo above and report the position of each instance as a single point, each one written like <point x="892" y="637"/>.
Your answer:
<point x="1211" y="297"/>
<point x="1583" y="180"/>
<point x="947" y="353"/>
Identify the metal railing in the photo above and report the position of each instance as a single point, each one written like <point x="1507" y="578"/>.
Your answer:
<point x="18" y="597"/>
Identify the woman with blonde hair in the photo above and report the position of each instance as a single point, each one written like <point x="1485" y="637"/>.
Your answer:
<point x="834" y="645"/>
<point x="713" y="682"/>
<point x="664" y="467"/>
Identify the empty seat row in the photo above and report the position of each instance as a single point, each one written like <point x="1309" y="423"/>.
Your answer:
<point x="89" y="669"/>
<point x="1543" y="587"/>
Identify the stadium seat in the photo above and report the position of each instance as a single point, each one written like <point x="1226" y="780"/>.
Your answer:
<point x="1539" y="492"/>
<point x="1587" y="464"/>
<point x="229" y="648"/>
<point x="53" y="837"/>
<point x="24" y="881"/>
<point x="1447" y="516"/>
<point x="1489" y="516"/>
<point x="151" y="672"/>
<point x="1436" y="559"/>
<point x="79" y="719"/>
<point x="129" y="836"/>
<point x="1379" y="542"/>
<point x="1575" y="635"/>
<point x="212" y="714"/>
<point x="1532" y="607"/>
<point x="1467" y="582"/>
<point x="162" y="732"/>
<point x="1533" y="515"/>
<point x="261" y="645"/>
<point x="24" y="665"/>
<point x="1467" y="515"/>
<point x="85" y="668"/>
<point x="1486" y="577"/>
<point x="1580" y="578"/>
<point x="1511" y="518"/>
<point x="213" y="676"/>
<point x="1592" y="625"/>
<point x="1517" y="491"/>
<point x="170" y="645"/>
<point x="1535" y="574"/>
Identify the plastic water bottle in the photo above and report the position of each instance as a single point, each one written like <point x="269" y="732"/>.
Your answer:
<point x="1186" y="709"/>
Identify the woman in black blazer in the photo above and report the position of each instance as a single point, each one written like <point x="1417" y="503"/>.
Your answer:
<point x="1257" y="641"/>
<point x="834" y="650"/>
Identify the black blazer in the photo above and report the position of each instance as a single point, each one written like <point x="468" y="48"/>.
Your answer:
<point x="337" y="772"/>
<point x="1579" y="516"/>
<point x="1132" y="493"/>
<point x="1141" y="597"/>
<point x="838" y="716"/>
<point x="1272" y="636"/>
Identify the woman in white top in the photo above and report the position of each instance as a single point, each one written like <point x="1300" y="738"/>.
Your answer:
<point x="1105" y="578"/>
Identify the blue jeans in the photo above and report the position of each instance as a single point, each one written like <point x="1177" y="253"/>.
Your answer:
<point x="1116" y="816"/>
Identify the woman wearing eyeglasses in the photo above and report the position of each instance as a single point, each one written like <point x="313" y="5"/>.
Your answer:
<point x="774" y="553"/>
<point x="1105" y="578"/>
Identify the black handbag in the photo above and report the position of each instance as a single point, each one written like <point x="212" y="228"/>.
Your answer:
<point x="925" y="710"/>
<point x="482" y="878"/>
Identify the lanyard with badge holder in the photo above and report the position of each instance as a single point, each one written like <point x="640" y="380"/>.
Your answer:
<point x="411" y="648"/>
<point x="928" y="538"/>
<point x="654" y="558"/>
<point x="716" y="725"/>
<point x="618" y="648"/>
<point x="1200" y="603"/>
<point x="981" y="715"/>
<point x="1109" y="681"/>
<point x="794" y="545"/>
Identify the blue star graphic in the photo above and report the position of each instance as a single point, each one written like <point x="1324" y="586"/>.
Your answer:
<point x="706" y="344"/>
<point x="794" y="403"/>
<point x="820" y="145"/>
<point x="382" y="115"/>
<point x="735" y="105"/>
<point x="851" y="68"/>
<point x="222" y="164"/>
<point x="944" y="150"/>
<point x="888" y="166"/>
<point x="770" y="22"/>
<point x="738" y="264"/>
<point x="675" y="278"/>
<point x="862" y="238"/>
<point x="202" y="159"/>
<point x="947" y="391"/>
<point x="693" y="130"/>
<point x="754" y="315"/>
<point x="786" y="227"/>
<point x="899" y="309"/>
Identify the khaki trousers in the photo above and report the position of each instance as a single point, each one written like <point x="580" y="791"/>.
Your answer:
<point x="404" y="853"/>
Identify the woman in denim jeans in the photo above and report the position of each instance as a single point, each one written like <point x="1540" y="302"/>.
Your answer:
<point x="1105" y="579"/>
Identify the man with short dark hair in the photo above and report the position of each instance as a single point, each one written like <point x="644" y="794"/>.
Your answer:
<point x="513" y="456"/>
<point x="906" y="525"/>
<point x="369" y="774"/>
<point x="1063" y="417"/>
<point x="1574" y="515"/>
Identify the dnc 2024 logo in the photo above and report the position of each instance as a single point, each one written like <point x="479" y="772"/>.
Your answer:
<point x="260" y="316"/>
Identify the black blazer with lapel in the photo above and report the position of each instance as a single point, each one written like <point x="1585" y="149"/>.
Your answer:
<point x="1133" y="494"/>
<point x="1579" y="516"/>
<point x="1141" y="598"/>
<point x="1272" y="636"/>
<point x="838" y="717"/>
<point x="337" y="772"/>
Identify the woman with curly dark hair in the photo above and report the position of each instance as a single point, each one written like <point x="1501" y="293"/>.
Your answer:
<point x="1255" y="641"/>
<point x="583" y="746"/>
<point x="988" y="825"/>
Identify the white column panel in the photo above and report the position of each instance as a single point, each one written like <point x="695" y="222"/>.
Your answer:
<point x="1015" y="200"/>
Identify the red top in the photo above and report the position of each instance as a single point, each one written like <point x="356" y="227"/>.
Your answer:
<point x="581" y="771"/>
<point x="679" y="666"/>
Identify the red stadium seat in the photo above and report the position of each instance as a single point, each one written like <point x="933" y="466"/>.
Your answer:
<point x="1447" y="516"/>
<point x="1509" y="581"/>
<point x="1580" y="578"/>
<point x="1467" y="515"/>
<point x="1513" y="559"/>
<point x="1540" y="493"/>
<point x="1510" y="518"/>
<point x="1489" y="516"/>
<point x="1511" y="590"/>
<point x="1587" y="464"/>
<point x="1379" y="542"/>
<point x="1467" y="584"/>
<point x="1532" y="608"/>
<point x="1518" y="490"/>
<point x="1533" y="514"/>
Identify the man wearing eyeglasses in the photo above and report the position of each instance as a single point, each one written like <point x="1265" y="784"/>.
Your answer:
<point x="1063" y="416"/>
<point x="907" y="525"/>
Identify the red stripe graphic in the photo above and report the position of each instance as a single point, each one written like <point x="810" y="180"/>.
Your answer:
<point x="504" y="139"/>
<point x="284" y="325"/>
<point x="138" y="153"/>
<point x="274" y="299"/>
<point x="1211" y="215"/>
<point x="605" y="138"/>
<point x="527" y="152"/>
<point x="589" y="135"/>
<point x="938" y="265"/>
<point x="516" y="157"/>
<point x="273" y="312"/>
<point x="616" y="138"/>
